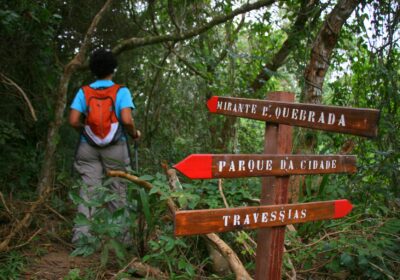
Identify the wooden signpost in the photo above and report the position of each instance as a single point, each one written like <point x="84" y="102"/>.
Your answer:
<point x="275" y="166"/>
<point x="206" y="166"/>
<point x="227" y="219"/>
<point x="355" y="121"/>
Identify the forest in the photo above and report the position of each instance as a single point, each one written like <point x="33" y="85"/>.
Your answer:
<point x="174" y="55"/>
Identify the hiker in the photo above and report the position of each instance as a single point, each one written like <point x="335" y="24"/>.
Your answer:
<point x="107" y="110"/>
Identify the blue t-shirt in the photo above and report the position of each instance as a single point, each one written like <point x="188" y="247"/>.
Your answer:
<point x="123" y="100"/>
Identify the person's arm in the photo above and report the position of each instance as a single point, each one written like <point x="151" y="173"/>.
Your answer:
<point x="129" y="124"/>
<point x="75" y="120"/>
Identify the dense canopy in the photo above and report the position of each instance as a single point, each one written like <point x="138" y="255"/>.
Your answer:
<point x="174" y="55"/>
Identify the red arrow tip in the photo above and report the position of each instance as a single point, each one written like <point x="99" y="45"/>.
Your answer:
<point x="342" y="208"/>
<point x="196" y="166"/>
<point x="212" y="104"/>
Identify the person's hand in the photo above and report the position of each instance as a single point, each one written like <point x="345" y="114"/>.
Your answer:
<point x="137" y="135"/>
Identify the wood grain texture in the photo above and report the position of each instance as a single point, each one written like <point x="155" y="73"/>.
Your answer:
<point x="274" y="190"/>
<point x="191" y="222"/>
<point x="356" y="121"/>
<point x="206" y="166"/>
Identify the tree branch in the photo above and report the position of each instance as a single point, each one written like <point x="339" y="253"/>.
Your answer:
<point x="280" y="57"/>
<point x="151" y="40"/>
<point x="172" y="16"/>
<point x="10" y="82"/>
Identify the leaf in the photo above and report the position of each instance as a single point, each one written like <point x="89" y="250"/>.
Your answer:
<point x="362" y="261"/>
<point x="118" y="249"/>
<point x="146" y="177"/>
<point x="154" y="190"/>
<point x="322" y="185"/>
<point x="346" y="260"/>
<point x="76" y="199"/>
<point x="183" y="201"/>
<point x="83" y="251"/>
<point x="118" y="213"/>
<point x="391" y="226"/>
<point x="104" y="255"/>
<point x="146" y="207"/>
<point x="81" y="220"/>
<point x="308" y="185"/>
<point x="110" y="197"/>
<point x="170" y="245"/>
<point x="182" y="264"/>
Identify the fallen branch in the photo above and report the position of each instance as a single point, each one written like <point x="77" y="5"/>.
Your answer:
<point x="18" y="226"/>
<point x="147" y="271"/>
<point x="113" y="173"/>
<point x="57" y="214"/>
<point x="123" y="269"/>
<point x="28" y="241"/>
<point x="142" y="269"/>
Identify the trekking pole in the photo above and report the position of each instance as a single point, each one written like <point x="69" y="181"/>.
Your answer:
<point x="136" y="147"/>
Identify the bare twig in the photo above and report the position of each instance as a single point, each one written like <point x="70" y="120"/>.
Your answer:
<point x="8" y="81"/>
<point x="124" y="268"/>
<point x="28" y="241"/>
<point x="316" y="242"/>
<point x="172" y="16"/>
<point x="318" y="266"/>
<point x="5" y="204"/>
<point x="55" y="236"/>
<point x="58" y="214"/>
<point x="293" y="276"/>
<point x="381" y="270"/>
<point x="221" y="192"/>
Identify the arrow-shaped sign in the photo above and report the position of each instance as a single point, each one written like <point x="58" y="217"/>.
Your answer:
<point x="228" y="219"/>
<point x="206" y="166"/>
<point x="355" y="121"/>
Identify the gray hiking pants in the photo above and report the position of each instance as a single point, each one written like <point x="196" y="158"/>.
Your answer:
<point x="92" y="163"/>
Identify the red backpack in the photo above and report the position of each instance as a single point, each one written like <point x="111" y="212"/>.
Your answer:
<point x="102" y="127"/>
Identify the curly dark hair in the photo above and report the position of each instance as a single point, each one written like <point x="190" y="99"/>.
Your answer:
<point x="102" y="63"/>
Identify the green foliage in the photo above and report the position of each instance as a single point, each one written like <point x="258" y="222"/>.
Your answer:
<point x="77" y="274"/>
<point x="106" y="227"/>
<point x="73" y="274"/>
<point x="359" y="245"/>
<point x="170" y="84"/>
<point x="11" y="265"/>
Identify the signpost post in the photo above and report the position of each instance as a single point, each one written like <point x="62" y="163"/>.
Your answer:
<point x="274" y="190"/>
<point x="275" y="166"/>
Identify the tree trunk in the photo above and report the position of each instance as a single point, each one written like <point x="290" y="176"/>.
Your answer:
<point x="314" y="76"/>
<point x="322" y="49"/>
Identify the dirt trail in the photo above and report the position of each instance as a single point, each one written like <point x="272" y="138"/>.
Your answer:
<point x="57" y="263"/>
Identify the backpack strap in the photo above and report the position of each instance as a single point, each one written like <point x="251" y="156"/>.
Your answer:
<point x="112" y="91"/>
